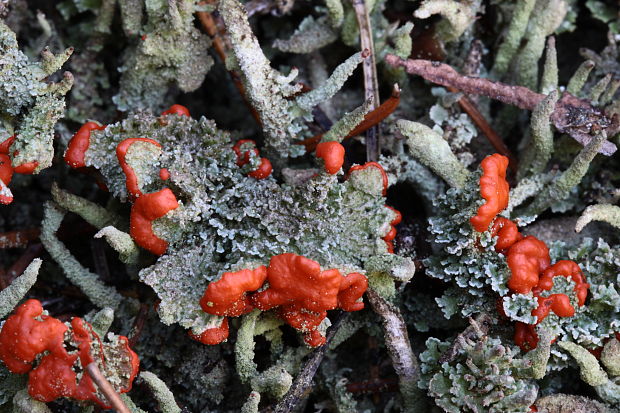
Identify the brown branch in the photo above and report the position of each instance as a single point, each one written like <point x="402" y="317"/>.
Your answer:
<point x="399" y="348"/>
<point x="18" y="239"/>
<point x="572" y="115"/>
<point x="106" y="388"/>
<point x="371" y="82"/>
<point x="303" y="381"/>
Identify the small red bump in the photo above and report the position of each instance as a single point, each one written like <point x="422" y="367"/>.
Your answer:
<point x="164" y="174"/>
<point x="177" y="110"/>
<point x="263" y="170"/>
<point x="332" y="154"/>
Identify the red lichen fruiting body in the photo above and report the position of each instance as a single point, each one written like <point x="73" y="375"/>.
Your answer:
<point x="558" y="303"/>
<point x="297" y="279"/>
<point x="566" y="268"/>
<point x="384" y="176"/>
<point x="79" y="143"/>
<point x="177" y="110"/>
<point x="6" y="145"/>
<point x="525" y="336"/>
<point x="6" y="174"/>
<point x="228" y="295"/>
<point x="28" y="333"/>
<point x="494" y="189"/>
<point x="244" y="158"/>
<point x="507" y="233"/>
<point x="131" y="178"/>
<point x="304" y="321"/>
<point x="390" y="235"/>
<point x="352" y="288"/>
<point x="390" y="246"/>
<point x="332" y="154"/>
<point x="304" y="293"/>
<point x="134" y="364"/>
<point x="213" y="336"/>
<point x="526" y="259"/>
<point x="26" y="168"/>
<point x="263" y="170"/>
<point x="55" y="378"/>
<point x="164" y="174"/>
<point x="144" y="211"/>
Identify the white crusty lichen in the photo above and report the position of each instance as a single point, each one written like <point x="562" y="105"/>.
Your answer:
<point x="23" y="403"/>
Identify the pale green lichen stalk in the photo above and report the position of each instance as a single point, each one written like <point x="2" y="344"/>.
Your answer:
<point x="23" y="403"/>
<point x="603" y="212"/>
<point x="540" y="150"/>
<point x="168" y="50"/>
<point x="514" y="34"/>
<point x="12" y="295"/>
<point x="428" y="147"/>
<point x="100" y="294"/>
<point x="30" y="106"/>
<point x="161" y="392"/>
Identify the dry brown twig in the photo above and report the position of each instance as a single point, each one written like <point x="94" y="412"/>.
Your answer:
<point x="106" y="388"/>
<point x="397" y="342"/>
<point x="572" y="115"/>
<point x="18" y="239"/>
<point x="371" y="82"/>
<point x="303" y="382"/>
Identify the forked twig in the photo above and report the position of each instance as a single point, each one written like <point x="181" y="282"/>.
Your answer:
<point x="572" y="115"/>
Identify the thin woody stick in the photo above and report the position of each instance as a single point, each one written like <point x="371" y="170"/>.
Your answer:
<point x="371" y="83"/>
<point x="573" y="116"/>
<point x="18" y="239"/>
<point x="106" y="388"/>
